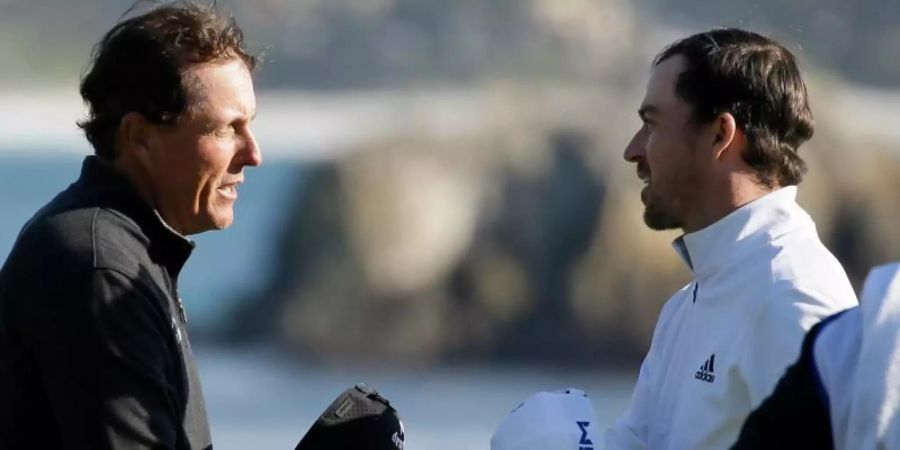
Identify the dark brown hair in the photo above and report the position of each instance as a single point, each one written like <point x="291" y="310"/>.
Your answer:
<point x="757" y="81"/>
<point x="141" y="65"/>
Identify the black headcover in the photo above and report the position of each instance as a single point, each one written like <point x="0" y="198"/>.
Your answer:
<point x="359" y="419"/>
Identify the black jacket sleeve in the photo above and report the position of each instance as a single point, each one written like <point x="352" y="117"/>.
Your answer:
<point x="796" y="415"/>
<point x="103" y="346"/>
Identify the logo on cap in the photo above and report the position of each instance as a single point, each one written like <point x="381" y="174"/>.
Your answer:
<point x="585" y="443"/>
<point x="398" y="436"/>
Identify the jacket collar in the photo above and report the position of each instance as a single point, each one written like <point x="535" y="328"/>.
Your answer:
<point x="109" y="189"/>
<point x="751" y="226"/>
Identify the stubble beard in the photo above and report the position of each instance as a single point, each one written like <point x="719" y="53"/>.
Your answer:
<point x="657" y="216"/>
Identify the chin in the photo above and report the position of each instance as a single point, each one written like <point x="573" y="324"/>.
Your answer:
<point x="210" y="223"/>
<point x="657" y="218"/>
<point x="222" y="222"/>
<point x="220" y="217"/>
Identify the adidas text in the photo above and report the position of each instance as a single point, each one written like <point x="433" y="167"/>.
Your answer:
<point x="706" y="370"/>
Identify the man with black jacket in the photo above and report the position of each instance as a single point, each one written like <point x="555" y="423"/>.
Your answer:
<point x="93" y="348"/>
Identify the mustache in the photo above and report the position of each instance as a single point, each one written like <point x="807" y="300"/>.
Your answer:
<point x="643" y="170"/>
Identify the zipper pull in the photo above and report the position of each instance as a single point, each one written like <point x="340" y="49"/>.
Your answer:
<point x="181" y="311"/>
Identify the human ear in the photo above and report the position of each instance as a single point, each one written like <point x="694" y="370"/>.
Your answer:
<point x="726" y="134"/>
<point x="135" y="134"/>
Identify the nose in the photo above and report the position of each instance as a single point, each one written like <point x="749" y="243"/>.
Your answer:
<point x="252" y="156"/>
<point x="636" y="148"/>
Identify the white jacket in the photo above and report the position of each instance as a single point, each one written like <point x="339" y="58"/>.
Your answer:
<point x="761" y="279"/>
<point x="857" y="358"/>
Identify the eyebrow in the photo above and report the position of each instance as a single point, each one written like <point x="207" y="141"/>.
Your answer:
<point x="239" y="116"/>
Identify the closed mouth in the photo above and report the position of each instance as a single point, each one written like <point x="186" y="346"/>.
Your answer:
<point x="644" y="177"/>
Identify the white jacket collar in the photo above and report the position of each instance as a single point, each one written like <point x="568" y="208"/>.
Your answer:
<point x="715" y="247"/>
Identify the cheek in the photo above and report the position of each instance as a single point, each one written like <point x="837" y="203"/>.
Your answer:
<point x="192" y="173"/>
<point x="209" y="160"/>
<point x="666" y="154"/>
<point x="658" y="154"/>
<point x="173" y="169"/>
<point x="213" y="167"/>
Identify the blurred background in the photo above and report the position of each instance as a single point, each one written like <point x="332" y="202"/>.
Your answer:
<point x="443" y="211"/>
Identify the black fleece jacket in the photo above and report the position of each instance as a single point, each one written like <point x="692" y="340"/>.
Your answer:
<point x="93" y="348"/>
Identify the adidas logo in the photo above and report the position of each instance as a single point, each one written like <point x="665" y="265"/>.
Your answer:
<point x="706" y="372"/>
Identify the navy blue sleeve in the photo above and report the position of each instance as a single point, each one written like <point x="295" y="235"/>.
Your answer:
<point x="796" y="414"/>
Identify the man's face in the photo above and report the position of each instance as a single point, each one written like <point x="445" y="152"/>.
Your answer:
<point x="666" y="150"/>
<point x="194" y="167"/>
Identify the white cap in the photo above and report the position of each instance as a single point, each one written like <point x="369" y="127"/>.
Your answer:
<point x="561" y="420"/>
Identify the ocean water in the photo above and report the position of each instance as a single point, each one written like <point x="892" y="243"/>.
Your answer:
<point x="257" y="397"/>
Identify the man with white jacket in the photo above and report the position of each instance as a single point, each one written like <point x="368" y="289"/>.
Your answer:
<point x="723" y="116"/>
<point x="844" y="390"/>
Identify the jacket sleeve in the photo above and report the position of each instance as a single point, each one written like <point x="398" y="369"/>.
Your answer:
<point x="775" y="337"/>
<point x="630" y="432"/>
<point x="796" y="414"/>
<point x="103" y="347"/>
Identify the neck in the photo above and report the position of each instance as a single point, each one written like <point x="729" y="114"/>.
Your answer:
<point x="722" y="199"/>
<point x="134" y="173"/>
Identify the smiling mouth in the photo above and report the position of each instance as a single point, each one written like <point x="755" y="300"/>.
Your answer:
<point x="643" y="172"/>
<point x="644" y="176"/>
<point x="228" y="191"/>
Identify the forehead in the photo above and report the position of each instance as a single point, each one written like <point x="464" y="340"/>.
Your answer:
<point x="661" y="86"/>
<point x="224" y="86"/>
